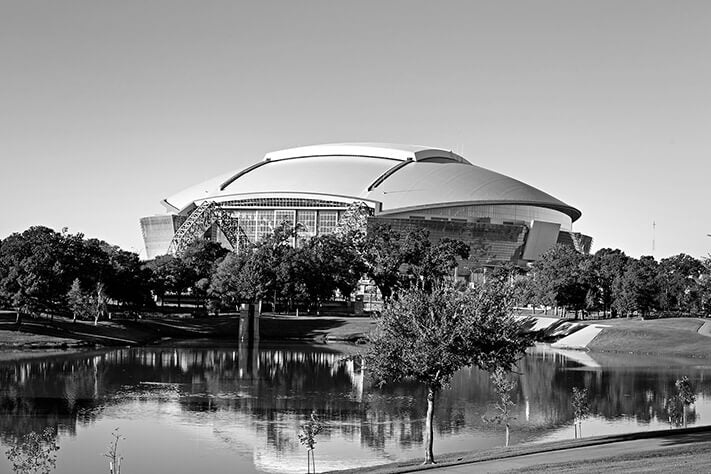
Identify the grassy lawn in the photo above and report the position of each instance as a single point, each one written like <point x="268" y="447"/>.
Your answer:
<point x="690" y="459"/>
<point x="678" y="336"/>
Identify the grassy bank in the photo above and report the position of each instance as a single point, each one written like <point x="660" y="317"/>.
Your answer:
<point x="667" y="337"/>
<point x="665" y="448"/>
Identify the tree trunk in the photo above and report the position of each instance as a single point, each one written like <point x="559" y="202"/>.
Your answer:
<point x="429" y="457"/>
<point x="507" y="435"/>
<point x="683" y="410"/>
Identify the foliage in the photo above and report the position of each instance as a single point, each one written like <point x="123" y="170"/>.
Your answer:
<point x="234" y="280"/>
<point x="87" y="304"/>
<point x="170" y="274"/>
<point x="581" y="408"/>
<point x="307" y="437"/>
<point x="605" y="270"/>
<point x="395" y="260"/>
<point x="39" y="266"/>
<point x="503" y="387"/>
<point x="35" y="453"/>
<point x="428" y="336"/>
<point x="685" y="394"/>
<point x="680" y="284"/>
<point x="640" y="287"/>
<point x="675" y="411"/>
<point x="560" y="278"/>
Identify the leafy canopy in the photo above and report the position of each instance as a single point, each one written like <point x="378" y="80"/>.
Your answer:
<point x="430" y="336"/>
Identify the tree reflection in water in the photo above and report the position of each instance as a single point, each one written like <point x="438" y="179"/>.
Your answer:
<point x="270" y="391"/>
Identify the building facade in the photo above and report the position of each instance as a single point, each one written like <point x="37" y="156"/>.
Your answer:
<point x="504" y="220"/>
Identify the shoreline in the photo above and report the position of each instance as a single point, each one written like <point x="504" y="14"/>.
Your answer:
<point x="474" y="460"/>
<point x="677" y="338"/>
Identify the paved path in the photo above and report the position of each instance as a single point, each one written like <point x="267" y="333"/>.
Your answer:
<point x="582" y="454"/>
<point x="705" y="329"/>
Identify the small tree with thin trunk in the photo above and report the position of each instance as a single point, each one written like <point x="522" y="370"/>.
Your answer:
<point x="113" y="453"/>
<point x="674" y="408"/>
<point x="685" y="394"/>
<point x="581" y="409"/>
<point x="503" y="387"/>
<point x="428" y="337"/>
<point x="307" y="437"/>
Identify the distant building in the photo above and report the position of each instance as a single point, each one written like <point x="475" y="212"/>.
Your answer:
<point x="504" y="220"/>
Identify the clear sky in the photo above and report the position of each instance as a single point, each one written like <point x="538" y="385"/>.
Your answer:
<point x="108" y="107"/>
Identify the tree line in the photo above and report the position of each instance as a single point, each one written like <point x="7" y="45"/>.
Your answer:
<point x="47" y="272"/>
<point x="57" y="273"/>
<point x="614" y="284"/>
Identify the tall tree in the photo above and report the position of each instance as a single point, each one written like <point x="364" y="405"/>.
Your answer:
<point x="679" y="280"/>
<point x="170" y="275"/>
<point x="428" y="336"/>
<point x="640" y="287"/>
<point x="606" y="269"/>
<point x="202" y="257"/>
<point x="559" y="277"/>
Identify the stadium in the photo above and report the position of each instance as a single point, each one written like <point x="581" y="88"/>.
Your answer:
<point x="502" y="219"/>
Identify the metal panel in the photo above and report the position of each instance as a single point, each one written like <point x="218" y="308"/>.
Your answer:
<point x="541" y="237"/>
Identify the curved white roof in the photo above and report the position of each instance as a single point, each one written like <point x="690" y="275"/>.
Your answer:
<point x="398" y="177"/>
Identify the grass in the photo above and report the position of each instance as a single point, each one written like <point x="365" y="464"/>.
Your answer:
<point x="673" y="457"/>
<point x="676" y="337"/>
<point x="690" y="459"/>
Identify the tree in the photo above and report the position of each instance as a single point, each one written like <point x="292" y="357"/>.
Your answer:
<point x="606" y="269"/>
<point x="503" y="387"/>
<point x="428" y="336"/>
<point x="396" y="260"/>
<point x="559" y="278"/>
<point x="437" y="261"/>
<point x="113" y="453"/>
<point x="640" y="287"/>
<point x="78" y="301"/>
<point x="170" y="274"/>
<point x="201" y="258"/>
<point x="679" y="281"/>
<point x="235" y="280"/>
<point x="307" y="437"/>
<point x="685" y="394"/>
<point x="33" y="275"/>
<point x="383" y="255"/>
<point x="581" y="409"/>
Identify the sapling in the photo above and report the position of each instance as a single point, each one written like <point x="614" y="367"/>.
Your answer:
<point x="503" y="387"/>
<point x="685" y="393"/>
<point x="581" y="409"/>
<point x="307" y="437"/>
<point x="113" y="454"/>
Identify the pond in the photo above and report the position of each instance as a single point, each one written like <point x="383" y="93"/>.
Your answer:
<point x="239" y="409"/>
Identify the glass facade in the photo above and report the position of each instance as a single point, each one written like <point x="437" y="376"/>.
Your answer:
<point x="307" y="224"/>
<point x="327" y="222"/>
<point x="265" y="224"/>
<point x="495" y="213"/>
<point x="281" y="215"/>
<point x="256" y="224"/>
<point x="281" y="202"/>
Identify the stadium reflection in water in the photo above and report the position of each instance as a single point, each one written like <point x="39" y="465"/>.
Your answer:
<point x="183" y="410"/>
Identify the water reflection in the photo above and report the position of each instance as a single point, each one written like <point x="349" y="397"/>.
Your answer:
<point x="248" y="403"/>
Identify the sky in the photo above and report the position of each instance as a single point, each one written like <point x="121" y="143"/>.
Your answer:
<point x="108" y="107"/>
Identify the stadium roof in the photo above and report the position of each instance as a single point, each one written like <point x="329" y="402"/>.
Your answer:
<point x="398" y="177"/>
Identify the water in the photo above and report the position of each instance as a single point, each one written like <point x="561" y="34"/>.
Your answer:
<point x="214" y="410"/>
